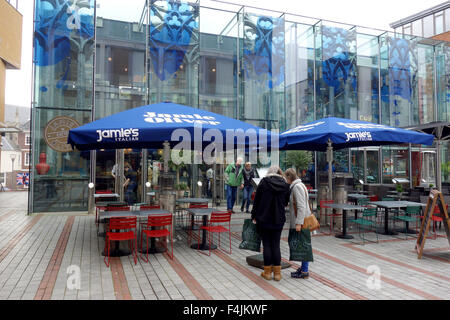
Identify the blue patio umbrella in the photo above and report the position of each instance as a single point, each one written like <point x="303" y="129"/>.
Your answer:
<point x="336" y="133"/>
<point x="151" y="125"/>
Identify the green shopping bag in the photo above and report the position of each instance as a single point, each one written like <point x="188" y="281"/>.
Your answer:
<point x="250" y="237"/>
<point x="300" y="245"/>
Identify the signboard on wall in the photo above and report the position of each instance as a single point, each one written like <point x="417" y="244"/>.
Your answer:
<point x="57" y="131"/>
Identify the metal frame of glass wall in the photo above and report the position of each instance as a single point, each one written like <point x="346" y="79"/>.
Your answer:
<point x="270" y="68"/>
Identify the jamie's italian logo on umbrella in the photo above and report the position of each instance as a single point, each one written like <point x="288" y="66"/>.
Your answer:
<point x="119" y="135"/>
<point x="153" y="117"/>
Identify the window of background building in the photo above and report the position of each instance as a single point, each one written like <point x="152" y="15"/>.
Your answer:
<point x="417" y="28"/>
<point x="447" y="20"/>
<point x="428" y="27"/>
<point x="27" y="159"/>
<point x="27" y="140"/>
<point x="439" y="23"/>
<point x="407" y="29"/>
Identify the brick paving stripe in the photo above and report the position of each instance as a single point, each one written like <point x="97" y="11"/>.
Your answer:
<point x="193" y="285"/>
<point x="383" y="278"/>
<point x="13" y="242"/>
<point x="402" y="264"/>
<point x="121" y="290"/>
<point x="47" y="284"/>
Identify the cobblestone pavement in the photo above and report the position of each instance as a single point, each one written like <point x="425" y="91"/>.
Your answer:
<point x="40" y="256"/>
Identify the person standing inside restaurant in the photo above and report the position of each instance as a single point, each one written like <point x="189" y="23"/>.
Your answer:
<point x="130" y="184"/>
<point x="210" y="181"/>
<point x="298" y="210"/>
<point x="233" y="180"/>
<point x="248" y="175"/>
<point x="268" y="213"/>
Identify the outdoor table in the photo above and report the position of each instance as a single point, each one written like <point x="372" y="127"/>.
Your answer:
<point x="345" y="207"/>
<point x="387" y="205"/>
<point x="205" y="212"/>
<point x="144" y="214"/>
<point x="192" y="200"/>
<point x="106" y="195"/>
<point x="354" y="197"/>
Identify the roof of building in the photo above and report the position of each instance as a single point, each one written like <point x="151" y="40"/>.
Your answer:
<point x="424" y="13"/>
<point x="8" y="145"/>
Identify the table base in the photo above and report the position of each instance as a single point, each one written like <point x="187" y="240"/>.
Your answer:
<point x="257" y="261"/>
<point x="117" y="253"/>
<point x="199" y="246"/>
<point x="344" y="236"/>
<point x="153" y="250"/>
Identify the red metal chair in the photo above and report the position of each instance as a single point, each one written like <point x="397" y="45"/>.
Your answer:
<point x="373" y="198"/>
<point x="164" y="221"/>
<point x="323" y="205"/>
<point x="216" y="225"/>
<point x="143" y="222"/>
<point x="121" y="229"/>
<point x="435" y="218"/>
<point x="195" y="221"/>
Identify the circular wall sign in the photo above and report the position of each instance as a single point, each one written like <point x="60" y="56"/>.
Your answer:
<point x="57" y="131"/>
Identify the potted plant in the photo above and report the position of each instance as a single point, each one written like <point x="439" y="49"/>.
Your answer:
<point x="181" y="189"/>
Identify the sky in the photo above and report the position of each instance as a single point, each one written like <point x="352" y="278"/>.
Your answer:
<point x="367" y="13"/>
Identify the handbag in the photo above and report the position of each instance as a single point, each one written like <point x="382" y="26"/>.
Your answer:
<point x="311" y="223"/>
<point x="251" y="239"/>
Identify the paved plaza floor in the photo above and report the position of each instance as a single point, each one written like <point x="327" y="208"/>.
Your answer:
<point x="58" y="257"/>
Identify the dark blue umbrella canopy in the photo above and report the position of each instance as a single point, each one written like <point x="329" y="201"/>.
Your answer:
<point x="345" y="133"/>
<point x="149" y="126"/>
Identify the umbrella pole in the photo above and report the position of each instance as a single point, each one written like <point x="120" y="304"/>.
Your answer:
<point x="330" y="169"/>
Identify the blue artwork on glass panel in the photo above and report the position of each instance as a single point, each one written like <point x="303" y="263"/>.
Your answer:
<point x="60" y="25"/>
<point x="338" y="63"/>
<point x="172" y="30"/>
<point x="57" y="23"/>
<point x="264" y="49"/>
<point x="400" y="75"/>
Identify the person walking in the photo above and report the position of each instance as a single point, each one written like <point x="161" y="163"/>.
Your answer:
<point x="268" y="213"/>
<point x="299" y="210"/>
<point x="248" y="175"/>
<point x="233" y="179"/>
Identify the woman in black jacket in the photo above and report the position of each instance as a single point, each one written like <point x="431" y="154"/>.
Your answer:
<point x="268" y="213"/>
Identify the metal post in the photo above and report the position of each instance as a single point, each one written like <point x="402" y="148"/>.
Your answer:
<point x="330" y="169"/>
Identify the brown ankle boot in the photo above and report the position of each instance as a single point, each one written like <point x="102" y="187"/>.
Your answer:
<point x="267" y="273"/>
<point x="277" y="273"/>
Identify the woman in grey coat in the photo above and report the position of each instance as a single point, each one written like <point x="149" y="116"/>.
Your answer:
<point x="300" y="194"/>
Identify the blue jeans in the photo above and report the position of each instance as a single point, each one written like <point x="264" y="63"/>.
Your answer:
<point x="304" y="267"/>
<point x="231" y="197"/>
<point x="248" y="190"/>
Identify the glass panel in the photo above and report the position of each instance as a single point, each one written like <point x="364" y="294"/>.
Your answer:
<point x="105" y="171"/>
<point x="439" y="23"/>
<point x="407" y="29"/>
<point x="357" y="164"/>
<point x="417" y="28"/>
<point x="402" y="80"/>
<point x="373" y="165"/>
<point x="395" y="162"/>
<point x="63" y="65"/>
<point x="443" y="81"/>
<point x="428" y="28"/>
<point x="299" y="74"/>
<point x="425" y="111"/>
<point x="337" y="79"/>
<point x="174" y="52"/>
<point x="263" y="71"/>
<point x="218" y="62"/>
<point x="368" y="78"/>
<point x="60" y="178"/>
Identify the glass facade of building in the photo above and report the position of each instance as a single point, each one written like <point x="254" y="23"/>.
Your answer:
<point x="268" y="68"/>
